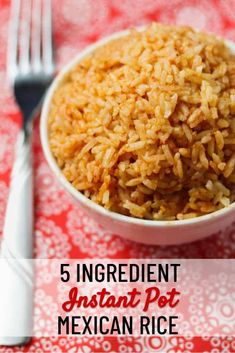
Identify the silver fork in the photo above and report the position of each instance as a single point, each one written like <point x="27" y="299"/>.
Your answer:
<point x="30" y="69"/>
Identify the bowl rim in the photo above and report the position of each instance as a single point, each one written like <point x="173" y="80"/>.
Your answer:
<point x="77" y="194"/>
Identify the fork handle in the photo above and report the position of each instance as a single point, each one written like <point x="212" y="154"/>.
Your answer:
<point x="18" y="227"/>
<point x="16" y="294"/>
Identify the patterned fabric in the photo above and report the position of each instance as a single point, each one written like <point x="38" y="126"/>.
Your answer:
<point x="61" y="229"/>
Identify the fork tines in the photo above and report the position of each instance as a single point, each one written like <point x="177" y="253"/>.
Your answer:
<point x="30" y="49"/>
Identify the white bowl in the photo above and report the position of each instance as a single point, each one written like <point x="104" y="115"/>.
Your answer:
<point x="144" y="231"/>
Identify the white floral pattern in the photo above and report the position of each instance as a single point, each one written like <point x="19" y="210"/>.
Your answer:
<point x="49" y="193"/>
<point x="198" y="14"/>
<point x="61" y="229"/>
<point x="90" y="238"/>
<point x="51" y="240"/>
<point x="8" y="130"/>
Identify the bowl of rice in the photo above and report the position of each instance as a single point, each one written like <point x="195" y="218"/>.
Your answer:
<point x="140" y="129"/>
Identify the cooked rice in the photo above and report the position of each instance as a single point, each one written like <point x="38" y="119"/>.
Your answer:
<point x="145" y="125"/>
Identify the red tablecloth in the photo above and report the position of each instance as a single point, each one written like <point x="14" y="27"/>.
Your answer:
<point x="61" y="229"/>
